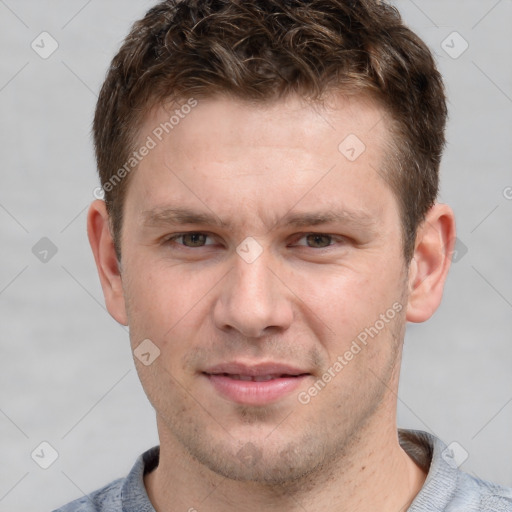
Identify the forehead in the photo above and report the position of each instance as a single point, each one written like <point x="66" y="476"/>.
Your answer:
<point x="233" y="156"/>
<point x="221" y="114"/>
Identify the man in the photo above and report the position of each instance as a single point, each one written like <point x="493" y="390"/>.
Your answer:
<point x="270" y="224"/>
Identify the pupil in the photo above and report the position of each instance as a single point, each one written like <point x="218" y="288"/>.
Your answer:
<point x="317" y="239"/>
<point x="196" y="238"/>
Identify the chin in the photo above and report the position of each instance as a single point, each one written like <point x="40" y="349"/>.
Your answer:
<point x="262" y="462"/>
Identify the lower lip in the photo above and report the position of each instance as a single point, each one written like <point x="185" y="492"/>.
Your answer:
<point x="252" y="392"/>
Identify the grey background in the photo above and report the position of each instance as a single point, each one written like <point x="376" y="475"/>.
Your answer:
<point x="66" y="372"/>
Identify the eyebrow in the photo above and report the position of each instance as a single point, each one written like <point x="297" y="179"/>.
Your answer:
<point x="176" y="216"/>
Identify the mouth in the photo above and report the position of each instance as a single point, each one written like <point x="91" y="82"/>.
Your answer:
<point x="254" y="384"/>
<point x="256" y="378"/>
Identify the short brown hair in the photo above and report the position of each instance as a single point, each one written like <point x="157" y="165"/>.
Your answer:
<point x="261" y="50"/>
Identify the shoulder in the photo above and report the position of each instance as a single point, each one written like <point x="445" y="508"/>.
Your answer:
<point x="107" y="498"/>
<point x="474" y="494"/>
<point x="121" y="495"/>
<point x="447" y="488"/>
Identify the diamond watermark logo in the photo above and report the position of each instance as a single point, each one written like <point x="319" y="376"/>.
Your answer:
<point x="352" y="147"/>
<point x="44" y="250"/>
<point x="45" y="45"/>
<point x="147" y="352"/>
<point x="44" y="455"/>
<point x="249" y="250"/>
<point x="460" y="249"/>
<point x="455" y="455"/>
<point x="249" y="454"/>
<point x="454" y="45"/>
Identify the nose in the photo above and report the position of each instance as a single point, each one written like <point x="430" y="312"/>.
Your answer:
<point x="253" y="300"/>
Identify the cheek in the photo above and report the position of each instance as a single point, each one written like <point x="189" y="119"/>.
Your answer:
<point x="149" y="299"/>
<point x="165" y="302"/>
<point x="346" y="303"/>
<point x="343" y="295"/>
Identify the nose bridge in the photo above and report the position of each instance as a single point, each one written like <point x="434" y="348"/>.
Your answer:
<point x="254" y="281"/>
<point x="252" y="298"/>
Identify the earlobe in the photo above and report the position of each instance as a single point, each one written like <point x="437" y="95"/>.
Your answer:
<point x="102" y="245"/>
<point x="428" y="270"/>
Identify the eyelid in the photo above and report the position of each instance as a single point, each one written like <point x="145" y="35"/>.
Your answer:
<point x="175" y="236"/>
<point x="334" y="238"/>
<point x="296" y="238"/>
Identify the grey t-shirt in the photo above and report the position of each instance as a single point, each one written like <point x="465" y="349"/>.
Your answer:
<point x="446" y="488"/>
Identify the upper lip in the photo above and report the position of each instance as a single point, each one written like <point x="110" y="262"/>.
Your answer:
<point x="255" y="369"/>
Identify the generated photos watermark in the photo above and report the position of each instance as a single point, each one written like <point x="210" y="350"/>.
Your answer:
<point x="305" y="397"/>
<point x="150" y="143"/>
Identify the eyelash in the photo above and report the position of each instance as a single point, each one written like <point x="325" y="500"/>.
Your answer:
<point x="172" y="239"/>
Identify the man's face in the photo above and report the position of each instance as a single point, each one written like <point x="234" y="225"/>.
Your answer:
<point x="295" y="250"/>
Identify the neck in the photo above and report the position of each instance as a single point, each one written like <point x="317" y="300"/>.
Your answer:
<point x="377" y="474"/>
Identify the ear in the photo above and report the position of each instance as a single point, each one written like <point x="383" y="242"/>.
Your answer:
<point x="102" y="244"/>
<point x="429" y="267"/>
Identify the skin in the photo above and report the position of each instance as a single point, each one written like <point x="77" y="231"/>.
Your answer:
<point x="301" y="302"/>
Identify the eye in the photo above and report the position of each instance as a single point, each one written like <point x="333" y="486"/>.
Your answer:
<point x="317" y="240"/>
<point x="191" y="239"/>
